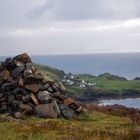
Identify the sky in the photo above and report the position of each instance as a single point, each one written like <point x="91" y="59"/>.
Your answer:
<point x="69" y="26"/>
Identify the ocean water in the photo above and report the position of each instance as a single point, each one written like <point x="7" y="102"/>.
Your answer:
<point x="135" y="103"/>
<point x="126" y="65"/>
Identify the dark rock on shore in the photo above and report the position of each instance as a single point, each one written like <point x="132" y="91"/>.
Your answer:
<point x="99" y="93"/>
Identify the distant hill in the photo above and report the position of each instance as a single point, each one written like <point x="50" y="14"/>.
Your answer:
<point x="105" y="85"/>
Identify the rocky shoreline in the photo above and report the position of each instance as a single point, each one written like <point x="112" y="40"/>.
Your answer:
<point x="97" y="96"/>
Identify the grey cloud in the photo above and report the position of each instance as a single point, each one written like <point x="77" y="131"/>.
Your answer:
<point x="63" y="43"/>
<point x="20" y="16"/>
<point x="88" y="9"/>
<point x="29" y="13"/>
<point x="13" y="13"/>
<point x="38" y="11"/>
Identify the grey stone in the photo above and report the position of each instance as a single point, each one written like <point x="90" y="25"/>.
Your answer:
<point x="18" y="115"/>
<point x="56" y="107"/>
<point x="28" y="73"/>
<point x="8" y="64"/>
<point x="15" y="105"/>
<point x="29" y="65"/>
<point x="1" y="95"/>
<point x="17" y="71"/>
<point x="3" y="103"/>
<point x="25" y="107"/>
<point x="4" y="75"/>
<point x="44" y="96"/>
<point x="46" y="110"/>
<point x="33" y="87"/>
<point x="3" y="109"/>
<point x="45" y="87"/>
<point x="66" y="111"/>
<point x="23" y="58"/>
<point x="2" y="99"/>
<point x="38" y="76"/>
<point x="26" y="98"/>
<point x="10" y="99"/>
<point x="9" y="86"/>
<point x="19" y="63"/>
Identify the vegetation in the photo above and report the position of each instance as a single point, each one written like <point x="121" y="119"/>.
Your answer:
<point x="97" y="126"/>
<point x="102" y="123"/>
<point x="108" y="81"/>
<point x="51" y="72"/>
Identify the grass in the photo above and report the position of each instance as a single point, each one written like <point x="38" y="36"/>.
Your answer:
<point x="109" y="81"/>
<point x="118" y="85"/>
<point x="95" y="127"/>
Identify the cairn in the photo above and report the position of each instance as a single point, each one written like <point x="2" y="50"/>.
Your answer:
<point x="26" y="91"/>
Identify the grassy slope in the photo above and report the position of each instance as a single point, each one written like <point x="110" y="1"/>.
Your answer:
<point x="97" y="126"/>
<point x="109" y="81"/>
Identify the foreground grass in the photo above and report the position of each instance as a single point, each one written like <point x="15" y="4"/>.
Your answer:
<point x="97" y="126"/>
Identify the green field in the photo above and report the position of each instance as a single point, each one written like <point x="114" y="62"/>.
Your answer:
<point x="108" y="81"/>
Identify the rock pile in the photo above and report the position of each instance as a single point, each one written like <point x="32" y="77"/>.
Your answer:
<point x="25" y="91"/>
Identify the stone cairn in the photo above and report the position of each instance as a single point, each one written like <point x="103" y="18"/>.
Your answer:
<point x="25" y="91"/>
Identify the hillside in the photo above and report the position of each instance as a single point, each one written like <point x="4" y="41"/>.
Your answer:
<point x="51" y="72"/>
<point x="101" y="123"/>
<point x="94" y="87"/>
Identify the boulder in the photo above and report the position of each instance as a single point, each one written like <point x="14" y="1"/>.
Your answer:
<point x="17" y="71"/>
<point x="18" y="115"/>
<point x="33" y="87"/>
<point x="66" y="111"/>
<point x="4" y="75"/>
<point x="25" y="107"/>
<point x="44" y="96"/>
<point x="23" y="58"/>
<point x="46" y="110"/>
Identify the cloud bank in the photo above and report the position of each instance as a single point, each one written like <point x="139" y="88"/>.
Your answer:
<point x="69" y="26"/>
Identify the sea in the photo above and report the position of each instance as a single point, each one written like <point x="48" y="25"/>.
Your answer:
<point x="123" y="64"/>
<point x="130" y="102"/>
<point x="126" y="65"/>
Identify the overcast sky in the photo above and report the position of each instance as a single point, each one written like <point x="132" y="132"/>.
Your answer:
<point x="69" y="26"/>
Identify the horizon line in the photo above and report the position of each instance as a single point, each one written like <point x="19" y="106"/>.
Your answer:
<point x="119" y="52"/>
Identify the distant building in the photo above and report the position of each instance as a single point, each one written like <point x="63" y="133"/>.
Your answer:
<point x="69" y="76"/>
<point x="91" y="84"/>
<point x="68" y="79"/>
